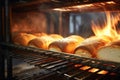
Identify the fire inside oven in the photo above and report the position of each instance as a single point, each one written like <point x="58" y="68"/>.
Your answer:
<point x="50" y="41"/>
<point x="87" y="34"/>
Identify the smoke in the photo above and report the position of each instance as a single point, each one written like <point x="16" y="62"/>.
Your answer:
<point x="28" y="22"/>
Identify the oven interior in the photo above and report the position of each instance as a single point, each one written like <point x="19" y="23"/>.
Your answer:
<point x="61" y="17"/>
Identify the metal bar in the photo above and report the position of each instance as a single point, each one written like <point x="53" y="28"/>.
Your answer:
<point x="51" y="63"/>
<point x="1" y="20"/>
<point x="7" y="37"/>
<point x="28" y="58"/>
<point x="75" y="72"/>
<point x="44" y="61"/>
<point x="6" y="21"/>
<point x="9" y="68"/>
<point x="65" y="70"/>
<point x="57" y="68"/>
<point x="55" y="71"/>
<point x="40" y="61"/>
<point x="2" y="66"/>
<point x="35" y="60"/>
<point x="2" y="58"/>
<point x="53" y="66"/>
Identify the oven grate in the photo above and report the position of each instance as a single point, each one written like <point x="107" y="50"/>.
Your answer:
<point x="53" y="65"/>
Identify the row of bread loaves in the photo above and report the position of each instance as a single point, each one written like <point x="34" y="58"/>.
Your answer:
<point x="93" y="47"/>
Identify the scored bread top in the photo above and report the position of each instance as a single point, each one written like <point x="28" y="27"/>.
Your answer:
<point x="67" y="44"/>
<point x="23" y="38"/>
<point x="43" y="42"/>
<point x="90" y="46"/>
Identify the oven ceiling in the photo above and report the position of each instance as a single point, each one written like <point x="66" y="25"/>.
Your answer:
<point x="66" y="5"/>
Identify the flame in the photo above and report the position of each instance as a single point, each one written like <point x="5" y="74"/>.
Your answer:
<point x="77" y="65"/>
<point x="102" y="72"/>
<point x="108" y="32"/>
<point x="85" y="67"/>
<point x="93" y="70"/>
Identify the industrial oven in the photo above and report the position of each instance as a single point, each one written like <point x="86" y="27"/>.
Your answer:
<point x="35" y="36"/>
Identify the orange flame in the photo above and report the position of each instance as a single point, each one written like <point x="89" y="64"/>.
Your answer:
<point x="102" y="72"/>
<point x="85" y="67"/>
<point x="93" y="70"/>
<point x="77" y="65"/>
<point x="108" y="31"/>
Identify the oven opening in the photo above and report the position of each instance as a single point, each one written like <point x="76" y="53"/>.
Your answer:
<point x="79" y="40"/>
<point x="85" y="34"/>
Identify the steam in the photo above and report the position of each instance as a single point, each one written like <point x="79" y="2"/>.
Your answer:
<point x="29" y="22"/>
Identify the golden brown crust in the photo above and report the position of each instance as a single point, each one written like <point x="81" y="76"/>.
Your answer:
<point x="39" y="34"/>
<point x="41" y="42"/>
<point x="16" y="34"/>
<point x="67" y="44"/>
<point x="56" y="36"/>
<point x="77" y="37"/>
<point x="115" y="43"/>
<point x="83" y="52"/>
<point x="90" y="45"/>
<point x="23" y="39"/>
<point x="55" y="47"/>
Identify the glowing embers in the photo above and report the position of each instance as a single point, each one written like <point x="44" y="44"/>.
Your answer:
<point x="102" y="72"/>
<point x="89" y="73"/>
<point x="77" y="65"/>
<point x="85" y="67"/>
<point x="93" y="70"/>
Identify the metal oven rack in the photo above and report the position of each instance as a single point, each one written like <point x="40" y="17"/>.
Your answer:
<point x="49" y="64"/>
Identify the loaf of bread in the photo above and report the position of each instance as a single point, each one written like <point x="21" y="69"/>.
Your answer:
<point x="56" y="36"/>
<point x="40" y="34"/>
<point x="89" y="47"/>
<point x="111" y="52"/>
<point x="23" y="38"/>
<point x="16" y="34"/>
<point x="116" y="42"/>
<point x="42" y="42"/>
<point x="67" y="44"/>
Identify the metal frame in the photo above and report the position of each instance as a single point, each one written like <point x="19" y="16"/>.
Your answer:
<point x="2" y="60"/>
<point x="5" y="33"/>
